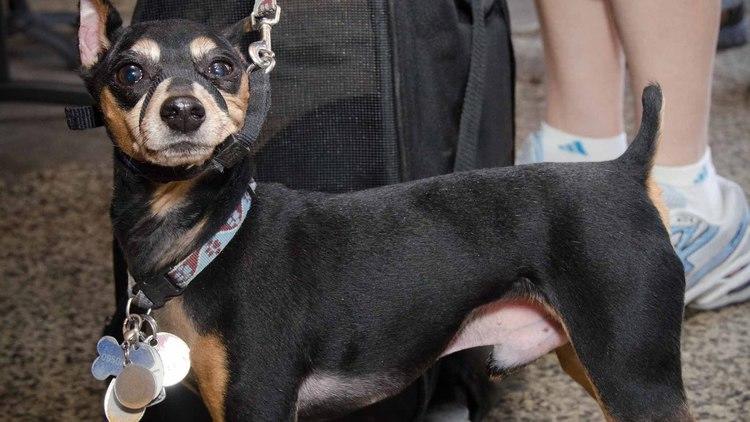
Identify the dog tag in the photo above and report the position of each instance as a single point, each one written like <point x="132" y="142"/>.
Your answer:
<point x="136" y="387"/>
<point x="175" y="355"/>
<point x="116" y="412"/>
<point x="160" y="398"/>
<point x="142" y="354"/>
<point x="111" y="358"/>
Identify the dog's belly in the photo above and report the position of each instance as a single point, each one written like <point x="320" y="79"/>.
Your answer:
<point x="520" y="331"/>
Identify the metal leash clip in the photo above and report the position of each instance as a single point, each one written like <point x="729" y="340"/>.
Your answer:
<point x="266" y="14"/>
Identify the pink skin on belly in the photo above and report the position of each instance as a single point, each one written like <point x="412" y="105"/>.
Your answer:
<point x="520" y="330"/>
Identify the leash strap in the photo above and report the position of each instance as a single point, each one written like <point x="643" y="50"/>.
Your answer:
<point x="153" y="292"/>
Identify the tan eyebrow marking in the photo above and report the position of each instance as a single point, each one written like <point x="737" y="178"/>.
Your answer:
<point x="200" y="46"/>
<point x="148" y="48"/>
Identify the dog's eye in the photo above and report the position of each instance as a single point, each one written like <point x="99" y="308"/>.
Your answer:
<point x="220" y="68"/>
<point x="129" y="74"/>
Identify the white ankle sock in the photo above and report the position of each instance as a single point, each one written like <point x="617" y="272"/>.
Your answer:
<point x="559" y="146"/>
<point x="696" y="184"/>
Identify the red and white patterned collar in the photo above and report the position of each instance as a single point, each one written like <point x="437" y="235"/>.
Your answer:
<point x="179" y="277"/>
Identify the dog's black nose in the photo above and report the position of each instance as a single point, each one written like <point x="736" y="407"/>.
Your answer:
<point x="184" y="114"/>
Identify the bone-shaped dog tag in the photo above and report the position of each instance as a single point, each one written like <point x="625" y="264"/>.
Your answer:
<point x="175" y="355"/>
<point x="111" y="358"/>
<point x="116" y="412"/>
<point x="136" y="387"/>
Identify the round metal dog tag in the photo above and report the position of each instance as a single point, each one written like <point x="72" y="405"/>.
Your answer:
<point x="148" y="357"/>
<point x="175" y="355"/>
<point x="117" y="413"/>
<point x="135" y="387"/>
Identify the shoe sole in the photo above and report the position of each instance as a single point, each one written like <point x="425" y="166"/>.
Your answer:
<point x="727" y="283"/>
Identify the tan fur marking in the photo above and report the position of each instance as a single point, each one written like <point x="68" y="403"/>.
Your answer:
<point x="102" y="9"/>
<point x="237" y="103"/>
<point x="169" y="195"/>
<point x="221" y="124"/>
<point x="208" y="356"/>
<point x="182" y="244"/>
<point x="122" y="124"/>
<point x="154" y="130"/>
<point x="572" y="366"/>
<point x="569" y="360"/>
<point x="655" y="193"/>
<point x="148" y="48"/>
<point x="653" y="189"/>
<point x="117" y="122"/>
<point x="209" y="360"/>
<point x="201" y="46"/>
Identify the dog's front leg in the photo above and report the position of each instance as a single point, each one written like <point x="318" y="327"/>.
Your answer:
<point x="262" y="387"/>
<point x="269" y="398"/>
<point x="243" y="379"/>
<point x="248" y="400"/>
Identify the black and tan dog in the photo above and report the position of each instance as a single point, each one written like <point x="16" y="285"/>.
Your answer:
<point x="325" y="303"/>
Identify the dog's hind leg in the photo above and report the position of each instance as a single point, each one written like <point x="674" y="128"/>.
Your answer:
<point x="625" y="342"/>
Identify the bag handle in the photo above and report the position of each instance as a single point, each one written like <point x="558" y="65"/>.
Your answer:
<point x="471" y="113"/>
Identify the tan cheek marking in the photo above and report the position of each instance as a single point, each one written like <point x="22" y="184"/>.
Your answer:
<point x="169" y="195"/>
<point x="201" y="46"/>
<point x="217" y="124"/>
<point x="208" y="356"/>
<point x="148" y="48"/>
<point x="153" y="130"/>
<point x="237" y="103"/>
<point x="117" y="122"/>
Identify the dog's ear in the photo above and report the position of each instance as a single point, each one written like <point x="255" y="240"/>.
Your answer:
<point x="238" y="34"/>
<point x="98" y="21"/>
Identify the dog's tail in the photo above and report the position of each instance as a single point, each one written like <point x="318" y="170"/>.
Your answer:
<point x="640" y="154"/>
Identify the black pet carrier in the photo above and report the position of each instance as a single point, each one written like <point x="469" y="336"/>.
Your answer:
<point x="367" y="93"/>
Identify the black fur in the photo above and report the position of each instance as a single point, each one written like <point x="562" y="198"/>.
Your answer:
<point x="378" y="282"/>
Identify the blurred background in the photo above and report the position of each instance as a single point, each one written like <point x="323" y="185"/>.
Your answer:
<point x="55" y="266"/>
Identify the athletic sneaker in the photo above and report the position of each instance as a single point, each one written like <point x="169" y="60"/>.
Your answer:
<point x="530" y="150"/>
<point x="715" y="254"/>
<point x="734" y="26"/>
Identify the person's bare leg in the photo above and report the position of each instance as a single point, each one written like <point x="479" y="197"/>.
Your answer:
<point x="584" y="68"/>
<point x="673" y="42"/>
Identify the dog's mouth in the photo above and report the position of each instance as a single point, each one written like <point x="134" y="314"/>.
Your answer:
<point x="180" y="153"/>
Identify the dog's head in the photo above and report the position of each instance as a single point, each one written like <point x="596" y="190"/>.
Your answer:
<point x="170" y="91"/>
